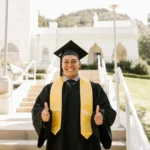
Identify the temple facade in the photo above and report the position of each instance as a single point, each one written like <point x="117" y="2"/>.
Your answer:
<point x="26" y="41"/>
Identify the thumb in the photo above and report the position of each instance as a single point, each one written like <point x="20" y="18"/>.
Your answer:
<point x="97" y="109"/>
<point x="46" y="106"/>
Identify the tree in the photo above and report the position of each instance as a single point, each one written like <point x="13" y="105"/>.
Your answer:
<point x="144" y="47"/>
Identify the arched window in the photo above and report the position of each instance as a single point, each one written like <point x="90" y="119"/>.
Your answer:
<point x="45" y="55"/>
<point x="121" y="52"/>
<point x="13" y="53"/>
<point x="95" y="50"/>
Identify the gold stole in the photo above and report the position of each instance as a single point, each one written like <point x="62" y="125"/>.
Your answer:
<point x="86" y="106"/>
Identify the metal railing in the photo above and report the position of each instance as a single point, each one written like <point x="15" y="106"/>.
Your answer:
<point x="135" y="134"/>
<point x="100" y="72"/>
<point x="51" y="70"/>
<point x="18" y="94"/>
<point x="26" y="72"/>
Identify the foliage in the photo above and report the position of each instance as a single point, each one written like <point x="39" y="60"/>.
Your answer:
<point x="82" y="18"/>
<point x="2" y="62"/>
<point x="131" y="75"/>
<point x="37" y="70"/>
<point x="144" y="46"/>
<point x="38" y="77"/>
<point x="140" y="67"/>
<point x="42" y="21"/>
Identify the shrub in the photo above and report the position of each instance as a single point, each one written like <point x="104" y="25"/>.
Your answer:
<point x="125" y="66"/>
<point x="37" y="71"/>
<point x="140" y="68"/>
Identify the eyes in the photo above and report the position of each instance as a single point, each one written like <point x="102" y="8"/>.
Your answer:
<point x="67" y="62"/>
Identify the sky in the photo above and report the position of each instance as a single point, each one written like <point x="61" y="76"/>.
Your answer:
<point x="52" y="9"/>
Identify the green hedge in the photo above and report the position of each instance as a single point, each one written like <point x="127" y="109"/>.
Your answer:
<point x="136" y="76"/>
<point x="140" y="67"/>
<point x="38" y="71"/>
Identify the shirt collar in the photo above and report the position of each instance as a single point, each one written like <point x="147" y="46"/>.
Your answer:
<point x="75" y="78"/>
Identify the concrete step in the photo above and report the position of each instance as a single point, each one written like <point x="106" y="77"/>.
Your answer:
<point x="24" y="109"/>
<point x="117" y="145"/>
<point x="35" y="90"/>
<point x="37" y="86"/>
<point x="23" y="129"/>
<point x="32" y="145"/>
<point x="29" y="99"/>
<point x="18" y="134"/>
<point x="33" y="94"/>
<point x="19" y="145"/>
<point x="27" y="104"/>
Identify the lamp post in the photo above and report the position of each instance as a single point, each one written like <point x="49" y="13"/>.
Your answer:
<point x="38" y="48"/>
<point x="114" y="6"/>
<point x="5" y="82"/>
<point x="5" y="46"/>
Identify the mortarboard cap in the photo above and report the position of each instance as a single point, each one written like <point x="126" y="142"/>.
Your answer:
<point x="70" y="48"/>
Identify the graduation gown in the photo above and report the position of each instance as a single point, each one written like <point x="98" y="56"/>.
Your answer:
<point x="69" y="137"/>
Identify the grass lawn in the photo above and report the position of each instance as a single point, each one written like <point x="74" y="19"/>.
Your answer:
<point x="140" y="94"/>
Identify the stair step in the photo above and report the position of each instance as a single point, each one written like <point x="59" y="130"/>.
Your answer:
<point x="119" y="134"/>
<point x="29" y="99"/>
<point x="32" y="144"/>
<point x="33" y="94"/>
<point x="35" y="90"/>
<point x="37" y="86"/>
<point x="24" y="109"/>
<point x="18" y="134"/>
<point x="117" y="145"/>
<point x="27" y="104"/>
<point x="19" y="145"/>
<point x="24" y="129"/>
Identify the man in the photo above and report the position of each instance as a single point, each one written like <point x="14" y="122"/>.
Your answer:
<point x="73" y="113"/>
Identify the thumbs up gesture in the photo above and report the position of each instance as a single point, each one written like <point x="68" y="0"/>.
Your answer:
<point x="45" y="113"/>
<point x="98" y="118"/>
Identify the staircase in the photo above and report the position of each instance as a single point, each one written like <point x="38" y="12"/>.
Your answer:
<point x="19" y="134"/>
<point x="28" y="102"/>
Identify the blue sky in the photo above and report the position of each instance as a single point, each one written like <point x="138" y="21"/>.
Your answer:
<point x="53" y="8"/>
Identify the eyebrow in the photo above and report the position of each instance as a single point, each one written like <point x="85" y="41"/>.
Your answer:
<point x="71" y="59"/>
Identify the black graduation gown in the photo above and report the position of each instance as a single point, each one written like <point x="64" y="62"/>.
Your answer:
<point x="69" y="137"/>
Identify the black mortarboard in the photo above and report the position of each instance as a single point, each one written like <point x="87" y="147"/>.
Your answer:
<point x="70" y="48"/>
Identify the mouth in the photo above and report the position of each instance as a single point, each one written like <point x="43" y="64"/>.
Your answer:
<point x="70" y="70"/>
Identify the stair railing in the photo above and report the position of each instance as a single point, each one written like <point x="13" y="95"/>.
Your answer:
<point x="51" y="70"/>
<point x="101" y="72"/>
<point x="135" y="134"/>
<point x="18" y="94"/>
<point x="109" y="87"/>
<point x="26" y="74"/>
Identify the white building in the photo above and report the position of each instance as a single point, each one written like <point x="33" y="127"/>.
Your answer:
<point x="28" y="42"/>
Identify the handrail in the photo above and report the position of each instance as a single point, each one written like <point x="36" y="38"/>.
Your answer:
<point x="131" y="109"/>
<point x="109" y="88"/>
<point x="26" y="71"/>
<point x="100" y="72"/>
<point x="51" y="70"/>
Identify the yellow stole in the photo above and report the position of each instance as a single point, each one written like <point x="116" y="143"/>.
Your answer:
<point x="86" y="106"/>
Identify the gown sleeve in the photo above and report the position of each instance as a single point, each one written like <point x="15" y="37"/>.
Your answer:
<point x="39" y="125"/>
<point x="102" y="132"/>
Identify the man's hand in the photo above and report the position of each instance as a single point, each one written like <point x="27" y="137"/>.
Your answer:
<point x="45" y="113"/>
<point x="98" y="118"/>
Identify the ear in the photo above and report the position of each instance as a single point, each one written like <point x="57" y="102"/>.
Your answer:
<point x="79" y="63"/>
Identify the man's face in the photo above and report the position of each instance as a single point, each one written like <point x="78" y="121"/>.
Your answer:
<point x="70" y="66"/>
